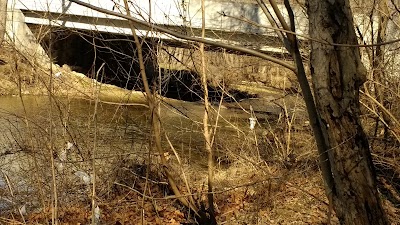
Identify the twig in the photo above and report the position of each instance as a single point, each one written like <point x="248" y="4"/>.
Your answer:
<point x="189" y="38"/>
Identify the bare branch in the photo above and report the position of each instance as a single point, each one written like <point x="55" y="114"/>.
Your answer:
<point x="185" y="37"/>
<point x="279" y="14"/>
<point x="280" y="30"/>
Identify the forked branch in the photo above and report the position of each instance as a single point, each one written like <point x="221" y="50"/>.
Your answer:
<point x="161" y="29"/>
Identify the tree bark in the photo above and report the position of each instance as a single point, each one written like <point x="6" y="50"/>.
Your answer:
<point x="337" y="74"/>
<point x="3" y="19"/>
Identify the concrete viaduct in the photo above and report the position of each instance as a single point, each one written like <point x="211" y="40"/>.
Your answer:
<point x="183" y="16"/>
<point x="179" y="15"/>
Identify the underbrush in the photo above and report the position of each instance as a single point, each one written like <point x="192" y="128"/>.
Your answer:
<point x="380" y="113"/>
<point x="67" y="161"/>
<point x="255" y="179"/>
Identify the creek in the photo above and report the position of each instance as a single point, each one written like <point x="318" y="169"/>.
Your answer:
<point x="32" y="129"/>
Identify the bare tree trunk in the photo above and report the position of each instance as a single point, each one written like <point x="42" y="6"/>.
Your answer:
<point x="3" y="19"/>
<point x="378" y="65"/>
<point x="337" y="74"/>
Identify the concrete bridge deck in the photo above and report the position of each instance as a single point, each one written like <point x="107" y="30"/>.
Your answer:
<point x="180" y="15"/>
<point x="183" y="16"/>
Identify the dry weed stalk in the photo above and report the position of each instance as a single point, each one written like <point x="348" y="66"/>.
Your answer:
<point x="206" y="132"/>
<point x="154" y="105"/>
<point x="94" y="150"/>
<point x="35" y="174"/>
<point x="54" y="197"/>
<point x="388" y="114"/>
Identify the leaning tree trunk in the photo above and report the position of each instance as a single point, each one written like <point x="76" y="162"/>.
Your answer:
<point x="3" y="19"/>
<point x="337" y="74"/>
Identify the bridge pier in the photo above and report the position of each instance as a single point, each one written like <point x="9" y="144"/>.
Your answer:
<point x="19" y="35"/>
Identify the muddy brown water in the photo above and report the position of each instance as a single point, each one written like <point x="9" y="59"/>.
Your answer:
<point x="31" y="126"/>
<point x="117" y="123"/>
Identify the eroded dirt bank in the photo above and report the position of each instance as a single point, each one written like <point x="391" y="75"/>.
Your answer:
<point x="20" y="75"/>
